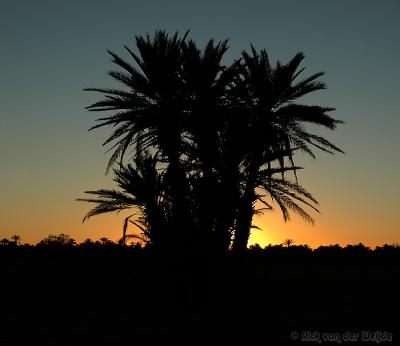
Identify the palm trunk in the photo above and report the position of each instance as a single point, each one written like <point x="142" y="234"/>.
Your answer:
<point x="243" y="225"/>
<point x="226" y="216"/>
<point x="207" y="199"/>
<point x="177" y="200"/>
<point x="212" y="193"/>
<point x="245" y="212"/>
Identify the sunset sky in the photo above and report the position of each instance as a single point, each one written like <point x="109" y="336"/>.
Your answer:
<point x="51" y="50"/>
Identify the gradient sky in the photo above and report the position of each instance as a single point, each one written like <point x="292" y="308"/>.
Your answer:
<point x="51" y="50"/>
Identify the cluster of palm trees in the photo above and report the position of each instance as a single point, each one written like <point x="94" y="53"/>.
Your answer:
<point x="199" y="146"/>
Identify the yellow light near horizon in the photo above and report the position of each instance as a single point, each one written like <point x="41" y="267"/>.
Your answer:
<point x="273" y="230"/>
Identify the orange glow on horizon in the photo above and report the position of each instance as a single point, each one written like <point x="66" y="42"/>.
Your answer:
<point x="329" y="228"/>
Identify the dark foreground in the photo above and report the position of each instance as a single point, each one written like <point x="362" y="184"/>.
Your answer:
<point x="285" y="297"/>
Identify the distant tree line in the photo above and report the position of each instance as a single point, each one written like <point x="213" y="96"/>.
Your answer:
<point x="63" y="240"/>
<point x="287" y="249"/>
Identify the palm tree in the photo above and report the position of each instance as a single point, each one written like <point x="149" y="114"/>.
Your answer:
<point x="274" y="124"/>
<point x="206" y="83"/>
<point x="288" y="242"/>
<point x="141" y="188"/>
<point x="151" y="114"/>
<point x="173" y="107"/>
<point x="16" y="239"/>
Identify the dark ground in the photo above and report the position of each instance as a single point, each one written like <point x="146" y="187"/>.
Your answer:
<point x="261" y="299"/>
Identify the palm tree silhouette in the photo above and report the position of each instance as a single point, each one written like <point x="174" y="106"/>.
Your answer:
<point x="16" y="238"/>
<point x="288" y="242"/>
<point x="206" y="83"/>
<point x="151" y="114"/>
<point x="173" y="107"/>
<point x="141" y="189"/>
<point x="274" y="125"/>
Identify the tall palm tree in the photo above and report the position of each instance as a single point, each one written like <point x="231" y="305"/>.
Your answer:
<point x="275" y="124"/>
<point x="150" y="115"/>
<point x="206" y="83"/>
<point x="174" y="104"/>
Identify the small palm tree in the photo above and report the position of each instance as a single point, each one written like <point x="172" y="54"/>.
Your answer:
<point x="141" y="189"/>
<point x="16" y="239"/>
<point x="288" y="242"/>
